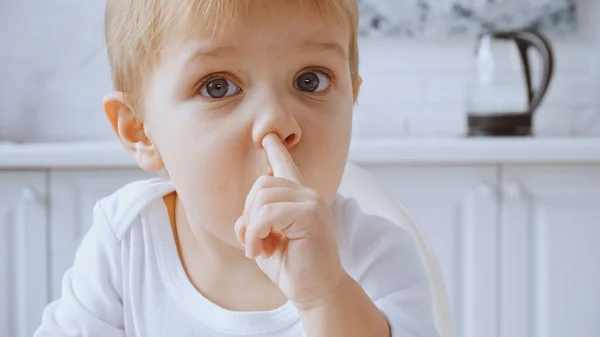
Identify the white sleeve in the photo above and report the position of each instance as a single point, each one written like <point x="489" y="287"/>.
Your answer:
<point x="384" y="259"/>
<point x="90" y="304"/>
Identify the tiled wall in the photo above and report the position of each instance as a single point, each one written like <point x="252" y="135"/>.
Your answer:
<point x="53" y="70"/>
<point x="53" y="74"/>
<point x="417" y="89"/>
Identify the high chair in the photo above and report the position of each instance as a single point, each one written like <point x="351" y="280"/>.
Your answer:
<point x="361" y="185"/>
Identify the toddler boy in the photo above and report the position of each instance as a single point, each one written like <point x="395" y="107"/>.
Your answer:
<point x="247" y="106"/>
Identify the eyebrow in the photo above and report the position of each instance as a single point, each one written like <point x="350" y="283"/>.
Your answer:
<point x="208" y="52"/>
<point x="326" y="46"/>
<point x="205" y="51"/>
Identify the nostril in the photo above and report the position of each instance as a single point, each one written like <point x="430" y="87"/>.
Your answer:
<point x="289" y="141"/>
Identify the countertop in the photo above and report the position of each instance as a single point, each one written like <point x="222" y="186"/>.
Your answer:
<point x="412" y="151"/>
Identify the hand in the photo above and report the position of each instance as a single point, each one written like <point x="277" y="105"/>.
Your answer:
<point x="289" y="229"/>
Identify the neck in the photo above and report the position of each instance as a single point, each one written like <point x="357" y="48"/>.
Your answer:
<point x="219" y="269"/>
<point x="213" y="249"/>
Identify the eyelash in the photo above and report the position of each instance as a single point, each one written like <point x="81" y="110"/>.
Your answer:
<point x="211" y="77"/>
<point x="223" y="75"/>
<point x="327" y="72"/>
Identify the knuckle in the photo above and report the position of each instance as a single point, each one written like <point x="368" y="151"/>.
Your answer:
<point x="312" y="207"/>
<point x="265" y="211"/>
<point x="259" y="227"/>
<point x="253" y="227"/>
<point x="262" y="197"/>
<point x="263" y="181"/>
<point x="260" y="215"/>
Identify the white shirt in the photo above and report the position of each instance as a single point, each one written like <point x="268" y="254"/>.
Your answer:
<point x="128" y="280"/>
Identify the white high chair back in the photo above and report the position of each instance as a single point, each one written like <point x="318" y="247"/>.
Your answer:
<point x="359" y="184"/>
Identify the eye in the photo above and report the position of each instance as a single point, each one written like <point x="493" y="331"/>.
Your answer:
<point x="312" y="81"/>
<point x="219" y="88"/>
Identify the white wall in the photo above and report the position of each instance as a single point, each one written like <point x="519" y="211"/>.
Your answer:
<point x="53" y="73"/>
<point x="53" y="69"/>
<point x="418" y="88"/>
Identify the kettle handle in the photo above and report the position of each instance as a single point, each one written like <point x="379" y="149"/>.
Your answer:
<point x="524" y="40"/>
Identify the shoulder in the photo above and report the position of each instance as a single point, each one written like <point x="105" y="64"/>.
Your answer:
<point x="357" y="228"/>
<point x="371" y="243"/>
<point x="122" y="207"/>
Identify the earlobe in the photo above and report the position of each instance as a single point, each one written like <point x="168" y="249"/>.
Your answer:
<point x="356" y="83"/>
<point x="131" y="132"/>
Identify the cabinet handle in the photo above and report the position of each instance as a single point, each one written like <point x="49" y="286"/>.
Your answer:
<point x="513" y="190"/>
<point x="28" y="196"/>
<point x="485" y="190"/>
<point x="29" y="203"/>
<point x="28" y="208"/>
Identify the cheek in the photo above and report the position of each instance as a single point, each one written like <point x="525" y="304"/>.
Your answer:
<point x="326" y="141"/>
<point x="191" y="140"/>
<point x="204" y="161"/>
<point x="207" y="161"/>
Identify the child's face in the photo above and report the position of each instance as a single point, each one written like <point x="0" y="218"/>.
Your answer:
<point x="211" y="101"/>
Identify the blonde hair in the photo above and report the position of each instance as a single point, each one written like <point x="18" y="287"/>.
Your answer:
<point x="137" y="29"/>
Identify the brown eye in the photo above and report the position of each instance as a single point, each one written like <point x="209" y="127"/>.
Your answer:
<point x="219" y="88"/>
<point x="312" y="81"/>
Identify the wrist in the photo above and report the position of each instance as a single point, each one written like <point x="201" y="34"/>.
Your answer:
<point x="332" y="295"/>
<point x="346" y="311"/>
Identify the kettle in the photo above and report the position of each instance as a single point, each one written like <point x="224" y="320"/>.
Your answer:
<point x="501" y="98"/>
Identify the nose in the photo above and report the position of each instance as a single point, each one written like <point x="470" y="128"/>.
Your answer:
<point x="276" y="117"/>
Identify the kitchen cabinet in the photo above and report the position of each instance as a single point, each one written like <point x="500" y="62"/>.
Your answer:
<point x="73" y="195"/>
<point x="457" y="208"/>
<point x="549" y="226"/>
<point x="517" y="244"/>
<point x="23" y="252"/>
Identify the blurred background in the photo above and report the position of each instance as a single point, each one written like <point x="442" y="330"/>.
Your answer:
<point x="481" y="116"/>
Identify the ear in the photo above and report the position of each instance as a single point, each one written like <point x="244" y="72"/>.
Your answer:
<point x="356" y="83"/>
<point x="131" y="132"/>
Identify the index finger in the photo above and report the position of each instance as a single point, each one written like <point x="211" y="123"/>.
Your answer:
<point x="280" y="159"/>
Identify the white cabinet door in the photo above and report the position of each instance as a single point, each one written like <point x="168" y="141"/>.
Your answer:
<point x="23" y="252"/>
<point x="73" y="196"/>
<point x="550" y="251"/>
<point x="457" y="208"/>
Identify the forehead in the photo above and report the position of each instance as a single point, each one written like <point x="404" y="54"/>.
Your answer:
<point x="215" y="15"/>
<point x="269" y="25"/>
